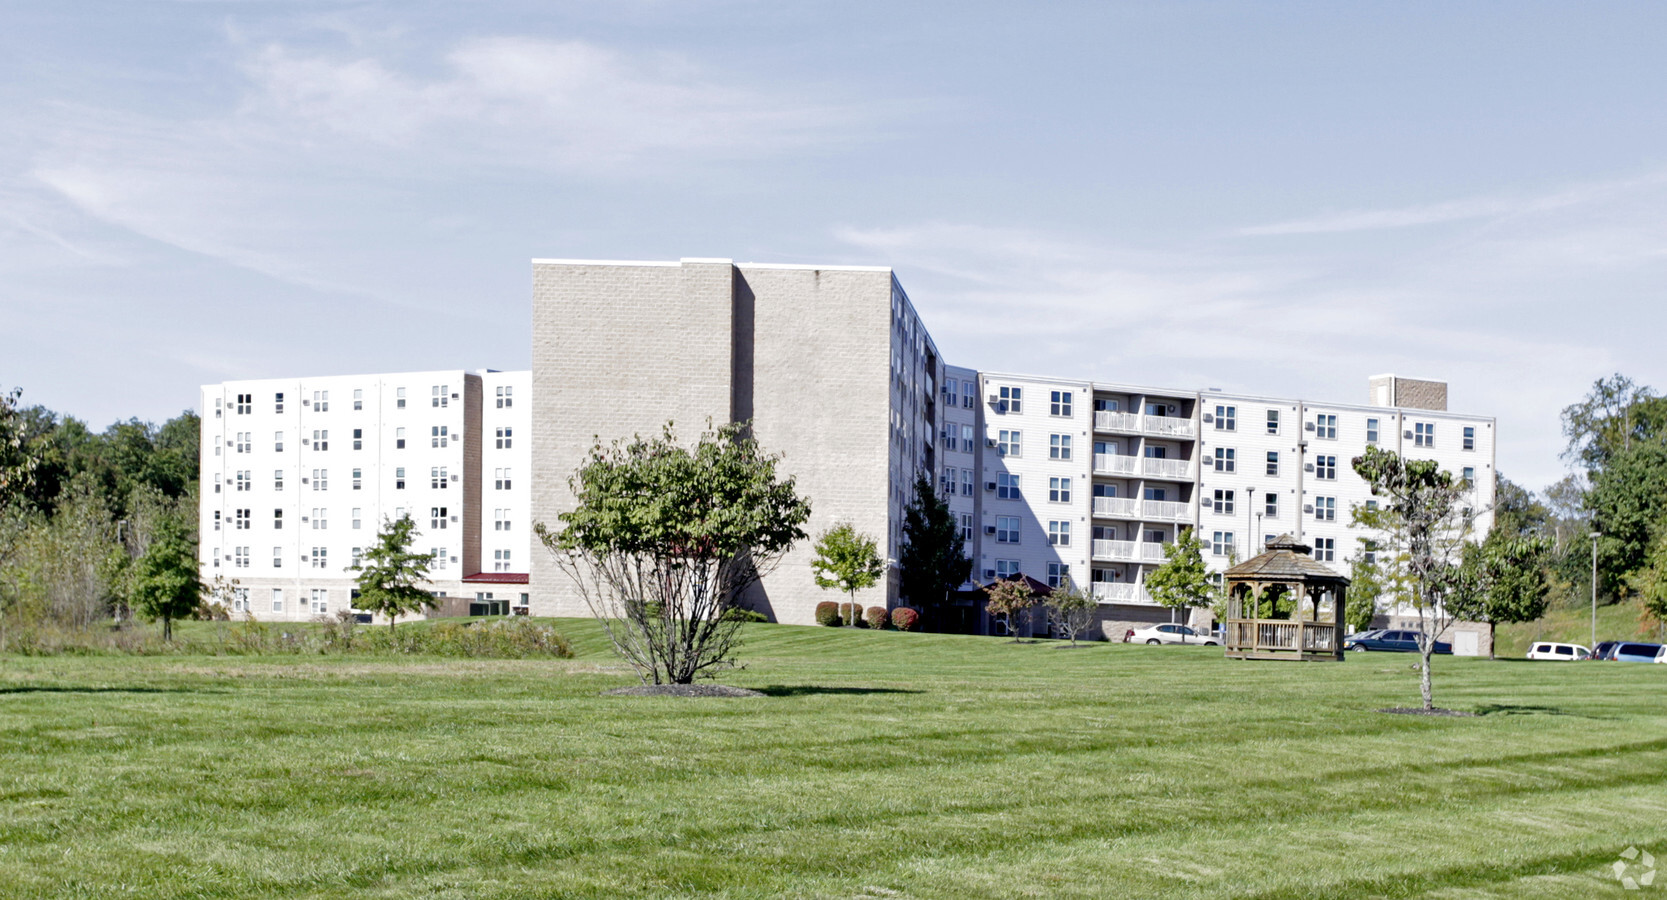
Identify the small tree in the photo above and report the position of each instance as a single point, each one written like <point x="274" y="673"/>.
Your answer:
<point x="1182" y="581"/>
<point x="1010" y="597"/>
<point x="666" y="538"/>
<point x="931" y="561"/>
<point x="1501" y="579"/>
<point x="1650" y="583"/>
<point x="389" y="573"/>
<point x="1423" y="523"/>
<point x="850" y="561"/>
<point x="1071" y="609"/>
<point x="1367" y="583"/>
<point x="165" y="583"/>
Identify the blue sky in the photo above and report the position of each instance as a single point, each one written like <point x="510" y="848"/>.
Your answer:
<point x="1273" y="197"/>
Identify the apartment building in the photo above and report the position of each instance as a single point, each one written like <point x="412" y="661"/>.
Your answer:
<point x="298" y="475"/>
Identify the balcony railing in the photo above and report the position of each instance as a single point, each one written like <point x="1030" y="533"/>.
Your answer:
<point x="1113" y="464"/>
<point x="1165" y="510"/>
<point x="1126" y="507"/>
<point x="1105" y="420"/>
<point x="1120" y="592"/>
<point x="1166" y="468"/>
<point x="1168" y="426"/>
<point x="1128" y="551"/>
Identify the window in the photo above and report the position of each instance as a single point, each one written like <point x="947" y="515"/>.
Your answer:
<point x="358" y="554"/>
<point x="1325" y="549"/>
<point x="1221" y="543"/>
<point x="439" y="554"/>
<point x="1059" y="490"/>
<point x="277" y="520"/>
<point x="320" y="557"/>
<point x="946" y="485"/>
<point x="1273" y="463"/>
<point x="1325" y="509"/>
<point x="1227" y="418"/>
<point x="501" y="479"/>
<point x="1007" y="443"/>
<point x="439" y="395"/>
<point x="399" y="398"/>
<point x="321" y="479"/>
<point x="278" y="403"/>
<point x="1011" y="399"/>
<point x="244" y="439"/>
<point x="244" y="482"/>
<point x="1059" y="533"/>
<point x="966" y="526"/>
<point x="1325" y="468"/>
<point x="500" y="520"/>
<point x="1058" y="574"/>
<point x="951" y="393"/>
<point x="1273" y="421"/>
<point x="1469" y="475"/>
<point x="321" y="401"/>
<point x="1371" y="431"/>
<point x="278" y="560"/>
<point x="216" y="520"/>
<point x="358" y="398"/>
<point x="1059" y="403"/>
<point x="240" y="557"/>
<point x="437" y="517"/>
<point x="244" y="520"/>
<point x="1007" y="529"/>
<point x="1270" y="505"/>
<point x="399" y="478"/>
<point x="966" y="482"/>
<point x="1007" y="568"/>
<point x="1225" y="460"/>
<point x="357" y="519"/>
<point x="504" y="438"/>
<point x="356" y="479"/>
<point x="358" y="439"/>
<point x="277" y="479"/>
<point x="1423" y="434"/>
<point x="969" y="394"/>
<point x="1223" y="502"/>
<point x="437" y="478"/>
<point x="321" y="439"/>
<point x="320" y="602"/>
<point x="500" y="561"/>
<point x="437" y="436"/>
<point x="319" y="516"/>
<point x="1371" y="506"/>
<point x="1469" y="437"/>
<point x="1325" y="426"/>
<point x="1059" y="446"/>
<point x="1007" y="486"/>
<point x="217" y="403"/>
<point x="278" y="441"/>
<point x="216" y="557"/>
<point x="245" y="404"/>
<point x="506" y="396"/>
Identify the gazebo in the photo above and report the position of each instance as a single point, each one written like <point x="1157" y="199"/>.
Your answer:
<point x="1285" y="605"/>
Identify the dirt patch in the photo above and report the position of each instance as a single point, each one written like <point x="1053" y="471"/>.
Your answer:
<point x="681" y="690"/>
<point x="1420" y="711"/>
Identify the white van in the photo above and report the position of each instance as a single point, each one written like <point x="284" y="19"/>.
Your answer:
<point x="1565" y="652"/>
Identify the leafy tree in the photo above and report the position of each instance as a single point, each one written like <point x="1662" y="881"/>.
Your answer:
<point x="1071" y="609"/>
<point x="166" y="585"/>
<point x="1010" y="597"/>
<point x="1368" y="583"/>
<point x="931" y="559"/>
<point x="17" y="465"/>
<point x="1422" y="522"/>
<point x="1628" y="501"/>
<point x="1182" y="581"/>
<point x="1517" y="512"/>
<point x="1501" y="580"/>
<point x="389" y="573"/>
<point x="1650" y="582"/>
<point x="848" y="560"/>
<point x="666" y="538"/>
<point x="1609" y="419"/>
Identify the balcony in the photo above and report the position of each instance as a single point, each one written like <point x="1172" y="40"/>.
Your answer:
<point x="1166" y="468"/>
<point x="1105" y="420"/>
<point x="1148" y="510"/>
<point x="1119" y="592"/>
<point x="1121" y="507"/>
<point x="1168" y="426"/>
<point x="1128" y="551"/>
<point x="1113" y="464"/>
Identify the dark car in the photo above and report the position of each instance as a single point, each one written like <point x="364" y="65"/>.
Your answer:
<point x="1628" y="651"/>
<point x="1605" y="650"/>
<point x="1392" y="641"/>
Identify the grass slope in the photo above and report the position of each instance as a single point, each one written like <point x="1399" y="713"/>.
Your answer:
<point x="1616" y="622"/>
<point x="882" y="765"/>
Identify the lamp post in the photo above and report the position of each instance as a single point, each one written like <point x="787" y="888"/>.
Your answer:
<point x="1594" y="536"/>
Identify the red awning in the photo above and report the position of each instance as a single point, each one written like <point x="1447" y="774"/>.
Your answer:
<point x="496" y="578"/>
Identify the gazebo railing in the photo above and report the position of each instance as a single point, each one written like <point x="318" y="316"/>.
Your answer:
<point x="1273" y="635"/>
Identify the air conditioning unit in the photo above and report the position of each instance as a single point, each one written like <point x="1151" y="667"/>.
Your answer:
<point x="990" y="442"/>
<point x="989" y="529"/>
<point x="1308" y="467"/>
<point x="1208" y="418"/>
<point x="303" y="518"/>
<point x="303" y="479"/>
<point x="1170" y="409"/>
<point x="454" y="518"/>
<point x="1407" y="435"/>
<point x="995" y="398"/>
<point x="1308" y="426"/>
<point x="988" y="573"/>
<point x="1308" y="507"/>
<point x="989" y="485"/>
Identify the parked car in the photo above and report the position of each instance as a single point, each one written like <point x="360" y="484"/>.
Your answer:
<point x="1605" y="650"/>
<point x="1393" y="641"/>
<point x="1628" y="651"/>
<point x="1171" y="634"/>
<point x="1555" y="651"/>
<point x="1662" y="656"/>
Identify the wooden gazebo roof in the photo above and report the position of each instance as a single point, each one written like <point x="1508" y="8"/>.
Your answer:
<point x="1286" y="559"/>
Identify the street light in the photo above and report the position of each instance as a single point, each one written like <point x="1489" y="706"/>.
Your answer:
<point x="1594" y="536"/>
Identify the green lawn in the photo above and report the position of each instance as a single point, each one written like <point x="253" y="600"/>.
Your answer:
<point x="882" y="765"/>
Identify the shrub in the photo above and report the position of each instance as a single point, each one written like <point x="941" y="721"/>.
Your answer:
<point x="851" y="614"/>
<point x="511" y="638"/>
<point x="905" y="619"/>
<point x="876" y="617"/>
<point x="738" y="614"/>
<point x="827" y="613"/>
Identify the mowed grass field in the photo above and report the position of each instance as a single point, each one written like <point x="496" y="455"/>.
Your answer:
<point x="881" y="765"/>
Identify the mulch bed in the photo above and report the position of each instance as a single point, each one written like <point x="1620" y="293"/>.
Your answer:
<point x="681" y="690"/>
<point x="1420" y="711"/>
